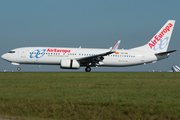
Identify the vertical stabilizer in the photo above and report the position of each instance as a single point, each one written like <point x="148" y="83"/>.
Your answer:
<point x="159" y="43"/>
<point x="175" y="68"/>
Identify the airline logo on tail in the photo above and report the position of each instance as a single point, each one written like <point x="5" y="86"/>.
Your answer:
<point x="162" y="44"/>
<point x="157" y="38"/>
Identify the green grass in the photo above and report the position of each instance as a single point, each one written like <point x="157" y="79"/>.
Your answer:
<point x="90" y="95"/>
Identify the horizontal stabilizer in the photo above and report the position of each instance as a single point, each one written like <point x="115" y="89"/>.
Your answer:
<point x="163" y="53"/>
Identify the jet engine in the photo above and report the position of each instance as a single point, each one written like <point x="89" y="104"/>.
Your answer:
<point x="69" y="64"/>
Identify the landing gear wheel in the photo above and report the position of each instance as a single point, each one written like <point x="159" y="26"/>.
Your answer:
<point x="18" y="68"/>
<point x="88" y="69"/>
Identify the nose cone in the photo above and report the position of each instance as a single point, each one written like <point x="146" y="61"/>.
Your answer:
<point x="4" y="56"/>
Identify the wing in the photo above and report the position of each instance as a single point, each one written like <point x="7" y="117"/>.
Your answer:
<point x="98" y="57"/>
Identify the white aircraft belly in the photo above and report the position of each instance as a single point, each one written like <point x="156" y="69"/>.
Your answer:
<point x="127" y="61"/>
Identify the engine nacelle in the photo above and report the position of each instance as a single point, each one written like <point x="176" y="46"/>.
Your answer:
<point x="69" y="64"/>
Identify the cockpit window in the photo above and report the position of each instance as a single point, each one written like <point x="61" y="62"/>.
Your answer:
<point x="11" y="51"/>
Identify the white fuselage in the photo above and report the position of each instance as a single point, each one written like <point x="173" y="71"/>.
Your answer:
<point x="53" y="56"/>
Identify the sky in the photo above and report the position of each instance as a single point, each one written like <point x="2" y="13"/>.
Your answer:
<point x="89" y="24"/>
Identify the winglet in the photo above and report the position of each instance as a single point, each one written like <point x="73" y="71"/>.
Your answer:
<point x="116" y="46"/>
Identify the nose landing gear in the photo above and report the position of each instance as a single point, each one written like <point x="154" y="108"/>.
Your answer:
<point x="18" y="68"/>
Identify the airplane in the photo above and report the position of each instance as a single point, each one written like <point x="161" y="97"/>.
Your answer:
<point x="175" y="68"/>
<point x="74" y="58"/>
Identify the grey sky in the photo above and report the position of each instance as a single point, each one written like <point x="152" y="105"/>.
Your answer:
<point x="90" y="24"/>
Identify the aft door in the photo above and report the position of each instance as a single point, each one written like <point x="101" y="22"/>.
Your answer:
<point x="142" y="57"/>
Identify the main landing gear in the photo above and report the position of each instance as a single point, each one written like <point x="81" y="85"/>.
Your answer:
<point x="88" y="69"/>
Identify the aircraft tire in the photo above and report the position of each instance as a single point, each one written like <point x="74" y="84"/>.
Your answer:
<point x="18" y="68"/>
<point x="88" y="69"/>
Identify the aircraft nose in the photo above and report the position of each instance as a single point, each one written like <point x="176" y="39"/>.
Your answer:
<point x="4" y="56"/>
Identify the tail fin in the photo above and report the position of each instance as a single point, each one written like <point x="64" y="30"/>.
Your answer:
<point x="159" y="43"/>
<point x="175" y="69"/>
